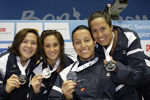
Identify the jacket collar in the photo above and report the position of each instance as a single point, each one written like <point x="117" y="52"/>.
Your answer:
<point x="13" y="61"/>
<point x="122" y="41"/>
<point x="83" y="62"/>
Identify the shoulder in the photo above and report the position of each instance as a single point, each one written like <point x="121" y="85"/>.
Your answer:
<point x="128" y="32"/>
<point x="5" y="56"/>
<point x="64" y="73"/>
<point x="70" y="58"/>
<point x="38" y="68"/>
<point x="3" y="62"/>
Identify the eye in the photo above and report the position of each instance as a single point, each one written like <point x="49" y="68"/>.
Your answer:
<point x="103" y="29"/>
<point x="94" y="31"/>
<point x="47" y="46"/>
<point x="77" y="42"/>
<point x="34" y="43"/>
<point x="55" y="45"/>
<point x="24" y="41"/>
<point x="87" y="40"/>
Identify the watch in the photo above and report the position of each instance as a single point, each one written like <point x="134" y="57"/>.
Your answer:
<point x="110" y="66"/>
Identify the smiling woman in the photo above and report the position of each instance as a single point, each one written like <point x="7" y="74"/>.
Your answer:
<point x="83" y="44"/>
<point x="16" y="65"/>
<point x="87" y="78"/>
<point x="54" y="60"/>
<point x="121" y="46"/>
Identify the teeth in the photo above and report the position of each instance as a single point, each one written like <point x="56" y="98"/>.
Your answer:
<point x="102" y="39"/>
<point x="84" y="50"/>
<point x="52" y="54"/>
<point x="28" y="51"/>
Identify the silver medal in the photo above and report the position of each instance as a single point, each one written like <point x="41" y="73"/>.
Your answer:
<point x="72" y="76"/>
<point x="22" y="79"/>
<point x="46" y="73"/>
<point x="110" y="66"/>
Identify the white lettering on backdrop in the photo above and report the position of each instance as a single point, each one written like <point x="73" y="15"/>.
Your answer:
<point x="29" y="15"/>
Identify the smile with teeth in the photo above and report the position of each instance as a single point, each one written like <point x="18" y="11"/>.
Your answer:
<point x="84" y="51"/>
<point x="52" y="54"/>
<point x="102" y="39"/>
<point x="29" y="51"/>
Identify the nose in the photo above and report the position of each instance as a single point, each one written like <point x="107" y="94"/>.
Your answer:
<point x="52" y="48"/>
<point x="29" y="44"/>
<point x="83" y="44"/>
<point x="99" y="34"/>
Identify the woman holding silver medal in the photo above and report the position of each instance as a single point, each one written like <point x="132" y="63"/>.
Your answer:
<point x="53" y="62"/>
<point x="119" y="47"/>
<point x="87" y="78"/>
<point x="17" y="64"/>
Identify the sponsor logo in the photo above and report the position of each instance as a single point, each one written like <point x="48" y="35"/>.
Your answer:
<point x="2" y="29"/>
<point x="147" y="47"/>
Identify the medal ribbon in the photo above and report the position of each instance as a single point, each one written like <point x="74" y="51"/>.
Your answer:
<point x="107" y="51"/>
<point x="86" y="65"/>
<point x="55" y="67"/>
<point x="22" y="68"/>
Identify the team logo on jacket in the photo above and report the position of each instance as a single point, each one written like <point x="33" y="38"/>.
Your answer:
<point x="81" y="84"/>
<point x="82" y="89"/>
<point x="51" y="83"/>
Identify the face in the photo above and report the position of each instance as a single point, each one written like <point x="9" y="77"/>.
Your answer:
<point x="101" y="31"/>
<point x="51" y="48"/>
<point x="28" y="46"/>
<point x="83" y="44"/>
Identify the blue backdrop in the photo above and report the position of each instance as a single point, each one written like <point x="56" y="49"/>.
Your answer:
<point x="67" y="9"/>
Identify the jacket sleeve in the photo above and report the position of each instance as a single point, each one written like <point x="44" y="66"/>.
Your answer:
<point x="56" y="93"/>
<point x="37" y="96"/>
<point x="3" y="93"/>
<point x="133" y="71"/>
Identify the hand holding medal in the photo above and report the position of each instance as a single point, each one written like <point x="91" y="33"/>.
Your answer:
<point x="36" y="82"/>
<point x="71" y="79"/>
<point x="12" y="83"/>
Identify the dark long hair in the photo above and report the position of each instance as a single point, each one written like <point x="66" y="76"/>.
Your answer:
<point x="100" y="14"/>
<point x="80" y="27"/>
<point x="19" y="37"/>
<point x="58" y="35"/>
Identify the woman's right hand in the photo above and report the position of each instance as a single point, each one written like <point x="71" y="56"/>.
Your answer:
<point x="68" y="89"/>
<point x="12" y="83"/>
<point x="36" y="82"/>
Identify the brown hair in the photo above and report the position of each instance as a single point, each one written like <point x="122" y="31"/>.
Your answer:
<point x="19" y="37"/>
<point x="98" y="14"/>
<point x="58" y="35"/>
<point x="80" y="27"/>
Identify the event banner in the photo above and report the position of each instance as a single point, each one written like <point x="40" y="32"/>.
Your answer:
<point x="8" y="29"/>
